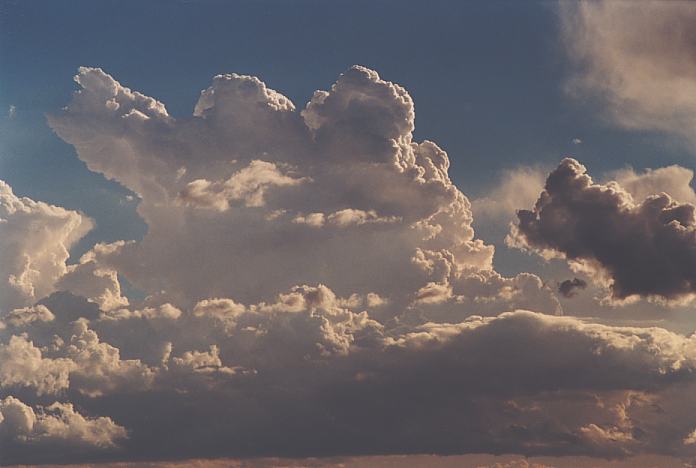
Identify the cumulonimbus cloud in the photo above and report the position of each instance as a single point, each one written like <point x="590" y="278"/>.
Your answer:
<point x="314" y="287"/>
<point x="244" y="190"/>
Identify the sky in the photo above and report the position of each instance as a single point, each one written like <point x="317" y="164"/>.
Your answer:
<point x="290" y="229"/>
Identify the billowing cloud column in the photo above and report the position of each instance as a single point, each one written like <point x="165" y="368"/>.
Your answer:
<point x="248" y="197"/>
<point x="35" y="239"/>
<point x="638" y="248"/>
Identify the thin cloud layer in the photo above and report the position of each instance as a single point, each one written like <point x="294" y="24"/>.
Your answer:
<point x="314" y="287"/>
<point x="643" y="248"/>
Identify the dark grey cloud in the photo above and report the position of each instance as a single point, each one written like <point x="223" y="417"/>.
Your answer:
<point x="569" y="288"/>
<point x="637" y="248"/>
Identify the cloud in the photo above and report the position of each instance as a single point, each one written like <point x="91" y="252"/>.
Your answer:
<point x="637" y="59"/>
<point x="25" y="316"/>
<point x="23" y="365"/>
<point x="691" y="438"/>
<point x="83" y="363"/>
<point x="555" y="379"/>
<point x="569" y="288"/>
<point x="35" y="239"/>
<point x="248" y="185"/>
<point x="55" y="428"/>
<point x="636" y="248"/>
<point x="673" y="180"/>
<point x="246" y="188"/>
<point x="314" y="287"/>
<point x="474" y="337"/>
<point x="201" y="361"/>
<point x="99" y="368"/>
<point x="515" y="189"/>
<point x="91" y="279"/>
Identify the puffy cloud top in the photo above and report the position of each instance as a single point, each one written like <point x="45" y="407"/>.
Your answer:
<point x="35" y="239"/>
<point x="238" y="191"/>
<point x="55" y="428"/>
<point x="641" y="248"/>
<point x="313" y="280"/>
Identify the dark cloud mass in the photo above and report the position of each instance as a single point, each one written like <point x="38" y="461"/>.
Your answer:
<point x="570" y="288"/>
<point x="314" y="287"/>
<point x="638" y="248"/>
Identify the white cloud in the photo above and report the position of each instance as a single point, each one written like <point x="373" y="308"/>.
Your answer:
<point x="347" y="161"/>
<point x="98" y="367"/>
<point x="35" y="239"/>
<point x="673" y="180"/>
<point x="202" y="362"/>
<point x="23" y="365"/>
<point x="26" y="315"/>
<point x="58" y="422"/>
<point x="514" y="190"/>
<point x="91" y="279"/>
<point x="81" y="362"/>
<point x="691" y="438"/>
<point x="248" y="185"/>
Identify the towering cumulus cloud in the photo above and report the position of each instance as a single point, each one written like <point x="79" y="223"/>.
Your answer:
<point x="34" y="242"/>
<point x="314" y="287"/>
<point x="250" y="197"/>
<point x="643" y="248"/>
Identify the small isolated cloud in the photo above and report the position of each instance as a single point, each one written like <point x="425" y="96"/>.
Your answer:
<point x="11" y="111"/>
<point x="570" y="288"/>
<point x="637" y="248"/>
<point x="638" y="59"/>
<point x="691" y="438"/>
<point x="576" y="141"/>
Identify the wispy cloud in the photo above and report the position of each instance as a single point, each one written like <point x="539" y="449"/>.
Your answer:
<point x="638" y="59"/>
